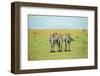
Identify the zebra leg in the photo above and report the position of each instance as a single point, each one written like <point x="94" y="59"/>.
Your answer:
<point x="69" y="46"/>
<point x="58" y="46"/>
<point x="65" y="47"/>
<point x="52" y="48"/>
<point x="61" y="46"/>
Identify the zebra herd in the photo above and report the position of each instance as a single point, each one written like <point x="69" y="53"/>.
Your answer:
<point x="57" y="39"/>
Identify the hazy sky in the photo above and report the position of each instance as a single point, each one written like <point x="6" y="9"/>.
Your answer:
<point x="57" y="22"/>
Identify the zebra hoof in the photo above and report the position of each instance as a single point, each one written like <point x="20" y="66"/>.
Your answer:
<point x="52" y="51"/>
<point x="65" y="50"/>
<point x="59" y="51"/>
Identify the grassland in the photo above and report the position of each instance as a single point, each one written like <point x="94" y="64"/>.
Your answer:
<point x="39" y="46"/>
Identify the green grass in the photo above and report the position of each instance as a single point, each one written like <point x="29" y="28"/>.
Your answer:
<point x="39" y="46"/>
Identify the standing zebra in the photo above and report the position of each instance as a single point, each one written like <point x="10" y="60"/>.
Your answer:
<point x="67" y="41"/>
<point x="53" y="41"/>
<point x="60" y="41"/>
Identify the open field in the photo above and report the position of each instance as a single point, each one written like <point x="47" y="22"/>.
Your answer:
<point x="39" y="46"/>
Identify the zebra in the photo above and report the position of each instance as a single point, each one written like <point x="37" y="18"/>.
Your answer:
<point x="57" y="40"/>
<point x="53" y="41"/>
<point x="67" y="41"/>
<point x="60" y="42"/>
